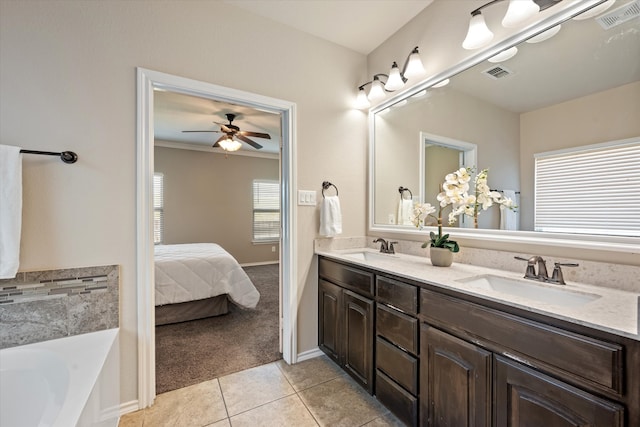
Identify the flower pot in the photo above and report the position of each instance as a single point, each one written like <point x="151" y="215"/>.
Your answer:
<point x="441" y="257"/>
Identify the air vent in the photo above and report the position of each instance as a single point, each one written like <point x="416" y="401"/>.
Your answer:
<point x="619" y="15"/>
<point x="497" y="72"/>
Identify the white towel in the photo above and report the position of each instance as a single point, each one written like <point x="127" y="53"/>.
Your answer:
<point x="405" y="206"/>
<point x="330" y="216"/>
<point x="10" y="210"/>
<point x="509" y="217"/>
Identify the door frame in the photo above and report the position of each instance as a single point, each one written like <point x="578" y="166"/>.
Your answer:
<point x="147" y="82"/>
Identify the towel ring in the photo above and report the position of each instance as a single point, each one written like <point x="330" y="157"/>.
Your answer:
<point x="326" y="185"/>
<point x="402" y="189"/>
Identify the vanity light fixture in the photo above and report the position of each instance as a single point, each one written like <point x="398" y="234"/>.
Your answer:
<point x="395" y="80"/>
<point x="518" y="13"/>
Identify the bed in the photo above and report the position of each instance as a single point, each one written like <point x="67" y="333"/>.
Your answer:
<point x="196" y="280"/>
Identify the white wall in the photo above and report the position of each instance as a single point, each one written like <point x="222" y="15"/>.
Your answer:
<point x="68" y="82"/>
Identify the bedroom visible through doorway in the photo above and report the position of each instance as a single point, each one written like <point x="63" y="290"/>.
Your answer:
<point x="209" y="196"/>
<point x="149" y="84"/>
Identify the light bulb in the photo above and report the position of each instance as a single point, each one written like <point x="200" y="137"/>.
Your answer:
<point x="479" y="34"/>
<point x="414" y="65"/>
<point x="230" y="144"/>
<point x="519" y="11"/>
<point x="377" y="90"/>
<point x="362" y="101"/>
<point x="394" y="82"/>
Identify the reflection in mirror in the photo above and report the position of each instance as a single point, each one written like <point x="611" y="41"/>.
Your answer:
<point x="578" y="88"/>
<point x="442" y="156"/>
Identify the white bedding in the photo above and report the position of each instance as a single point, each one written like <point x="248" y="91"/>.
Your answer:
<point x="196" y="271"/>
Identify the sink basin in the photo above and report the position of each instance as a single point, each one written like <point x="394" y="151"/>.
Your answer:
<point x="370" y="256"/>
<point x="557" y="295"/>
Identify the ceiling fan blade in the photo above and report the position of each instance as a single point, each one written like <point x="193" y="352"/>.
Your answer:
<point x="219" y="139"/>
<point x="248" y="141"/>
<point x="224" y="128"/>
<point x="255" y="134"/>
<point x="186" y="131"/>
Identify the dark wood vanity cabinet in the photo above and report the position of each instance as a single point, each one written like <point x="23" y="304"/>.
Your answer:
<point x="345" y="319"/>
<point x="527" y="398"/>
<point x="397" y="348"/>
<point x="437" y="357"/>
<point x="455" y="381"/>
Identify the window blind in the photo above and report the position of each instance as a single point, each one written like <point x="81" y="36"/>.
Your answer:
<point x="158" y="208"/>
<point x="266" y="211"/>
<point x="592" y="190"/>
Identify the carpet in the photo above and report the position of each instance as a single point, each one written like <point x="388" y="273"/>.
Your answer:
<point x="188" y="353"/>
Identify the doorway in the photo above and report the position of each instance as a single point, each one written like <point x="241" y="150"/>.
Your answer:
<point x="148" y="82"/>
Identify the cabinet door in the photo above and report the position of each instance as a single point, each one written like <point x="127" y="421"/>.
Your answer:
<point x="329" y="319"/>
<point x="455" y="381"/>
<point x="527" y="398"/>
<point x="358" y="338"/>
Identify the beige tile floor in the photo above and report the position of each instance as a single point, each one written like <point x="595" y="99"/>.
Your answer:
<point x="310" y="393"/>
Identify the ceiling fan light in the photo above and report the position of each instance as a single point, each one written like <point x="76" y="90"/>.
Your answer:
<point x="415" y="68"/>
<point x="362" y="101"/>
<point x="394" y="82"/>
<point x="229" y="144"/>
<point x="545" y="35"/>
<point x="594" y="11"/>
<point x="479" y="34"/>
<point x="519" y="11"/>
<point x="377" y="90"/>
<point x="504" y="55"/>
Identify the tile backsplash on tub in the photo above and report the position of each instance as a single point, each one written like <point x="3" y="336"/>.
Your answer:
<point x="42" y="305"/>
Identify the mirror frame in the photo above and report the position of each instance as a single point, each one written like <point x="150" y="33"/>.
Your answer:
<point x="582" y="241"/>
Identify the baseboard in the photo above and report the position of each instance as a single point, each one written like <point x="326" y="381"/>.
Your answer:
<point x="254" y="264"/>
<point x="309" y="354"/>
<point x="127" y="407"/>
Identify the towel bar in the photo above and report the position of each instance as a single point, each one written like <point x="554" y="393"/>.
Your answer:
<point x="65" y="156"/>
<point x="402" y="189"/>
<point x="326" y="185"/>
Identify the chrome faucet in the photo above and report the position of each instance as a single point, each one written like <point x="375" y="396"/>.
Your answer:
<point x="557" y="276"/>
<point x="385" y="247"/>
<point x="542" y="274"/>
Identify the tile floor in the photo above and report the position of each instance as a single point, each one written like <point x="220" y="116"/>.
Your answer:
<point x="311" y="393"/>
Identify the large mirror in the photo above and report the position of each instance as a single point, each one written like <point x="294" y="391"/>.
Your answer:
<point x="579" y="88"/>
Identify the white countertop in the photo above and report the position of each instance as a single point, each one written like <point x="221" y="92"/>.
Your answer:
<point x="615" y="311"/>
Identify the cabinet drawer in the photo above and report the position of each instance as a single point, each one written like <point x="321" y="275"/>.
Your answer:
<point x="402" y="404"/>
<point x="349" y="277"/>
<point x="397" y="294"/>
<point x="560" y="352"/>
<point x="400" y="366"/>
<point x="398" y="328"/>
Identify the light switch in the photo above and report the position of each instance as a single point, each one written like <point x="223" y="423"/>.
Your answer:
<point x="306" y="198"/>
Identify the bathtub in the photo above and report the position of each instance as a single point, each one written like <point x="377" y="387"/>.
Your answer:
<point x="72" y="381"/>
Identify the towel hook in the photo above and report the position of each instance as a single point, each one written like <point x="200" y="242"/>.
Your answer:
<point x="402" y="189"/>
<point x="326" y="185"/>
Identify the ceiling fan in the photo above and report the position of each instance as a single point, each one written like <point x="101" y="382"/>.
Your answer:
<point x="232" y="132"/>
